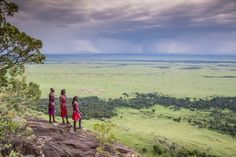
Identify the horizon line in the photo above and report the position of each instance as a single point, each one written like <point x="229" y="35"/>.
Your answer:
<point x="173" y="54"/>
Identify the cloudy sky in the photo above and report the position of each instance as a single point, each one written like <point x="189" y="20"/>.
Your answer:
<point x="130" y="26"/>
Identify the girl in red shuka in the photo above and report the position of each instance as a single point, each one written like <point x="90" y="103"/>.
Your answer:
<point x="77" y="115"/>
<point x="64" y="113"/>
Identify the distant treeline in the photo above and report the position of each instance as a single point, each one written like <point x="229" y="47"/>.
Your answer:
<point x="95" y="107"/>
<point x="150" y="99"/>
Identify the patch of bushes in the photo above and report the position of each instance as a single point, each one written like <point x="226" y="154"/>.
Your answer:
<point x="12" y="126"/>
<point x="177" y="119"/>
<point x="157" y="150"/>
<point x="144" y="150"/>
<point x="103" y="132"/>
<point x="163" y="147"/>
<point x="95" y="107"/>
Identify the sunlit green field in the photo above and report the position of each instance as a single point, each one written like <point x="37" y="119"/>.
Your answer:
<point x="111" y="79"/>
<point x="137" y="130"/>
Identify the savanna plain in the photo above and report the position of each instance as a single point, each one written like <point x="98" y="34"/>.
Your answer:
<point x="168" y="126"/>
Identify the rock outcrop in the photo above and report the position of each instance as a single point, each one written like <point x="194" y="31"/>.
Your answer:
<point x="59" y="140"/>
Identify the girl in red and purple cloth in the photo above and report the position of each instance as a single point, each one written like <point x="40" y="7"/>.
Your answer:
<point x="51" y="106"/>
<point x="77" y="115"/>
<point x="64" y="113"/>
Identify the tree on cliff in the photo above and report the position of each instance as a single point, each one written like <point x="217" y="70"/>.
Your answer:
<point x="16" y="49"/>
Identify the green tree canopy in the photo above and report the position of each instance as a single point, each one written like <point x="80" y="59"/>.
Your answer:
<point x="16" y="47"/>
<point x="7" y="9"/>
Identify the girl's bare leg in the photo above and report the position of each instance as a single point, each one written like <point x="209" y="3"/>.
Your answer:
<point x="67" y="121"/>
<point x="80" y="123"/>
<point x="50" y="119"/>
<point x="75" y="126"/>
<point x="53" y="119"/>
<point x="63" y="120"/>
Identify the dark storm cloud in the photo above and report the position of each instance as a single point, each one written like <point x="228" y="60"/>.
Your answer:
<point x="186" y="17"/>
<point x="131" y="20"/>
<point x="217" y="16"/>
<point x="57" y="14"/>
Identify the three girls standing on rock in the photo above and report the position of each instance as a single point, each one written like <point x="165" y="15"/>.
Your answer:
<point x="76" y="115"/>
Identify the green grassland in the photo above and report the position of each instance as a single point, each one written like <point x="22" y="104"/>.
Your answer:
<point x="137" y="130"/>
<point x="111" y="79"/>
<point x="141" y="128"/>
